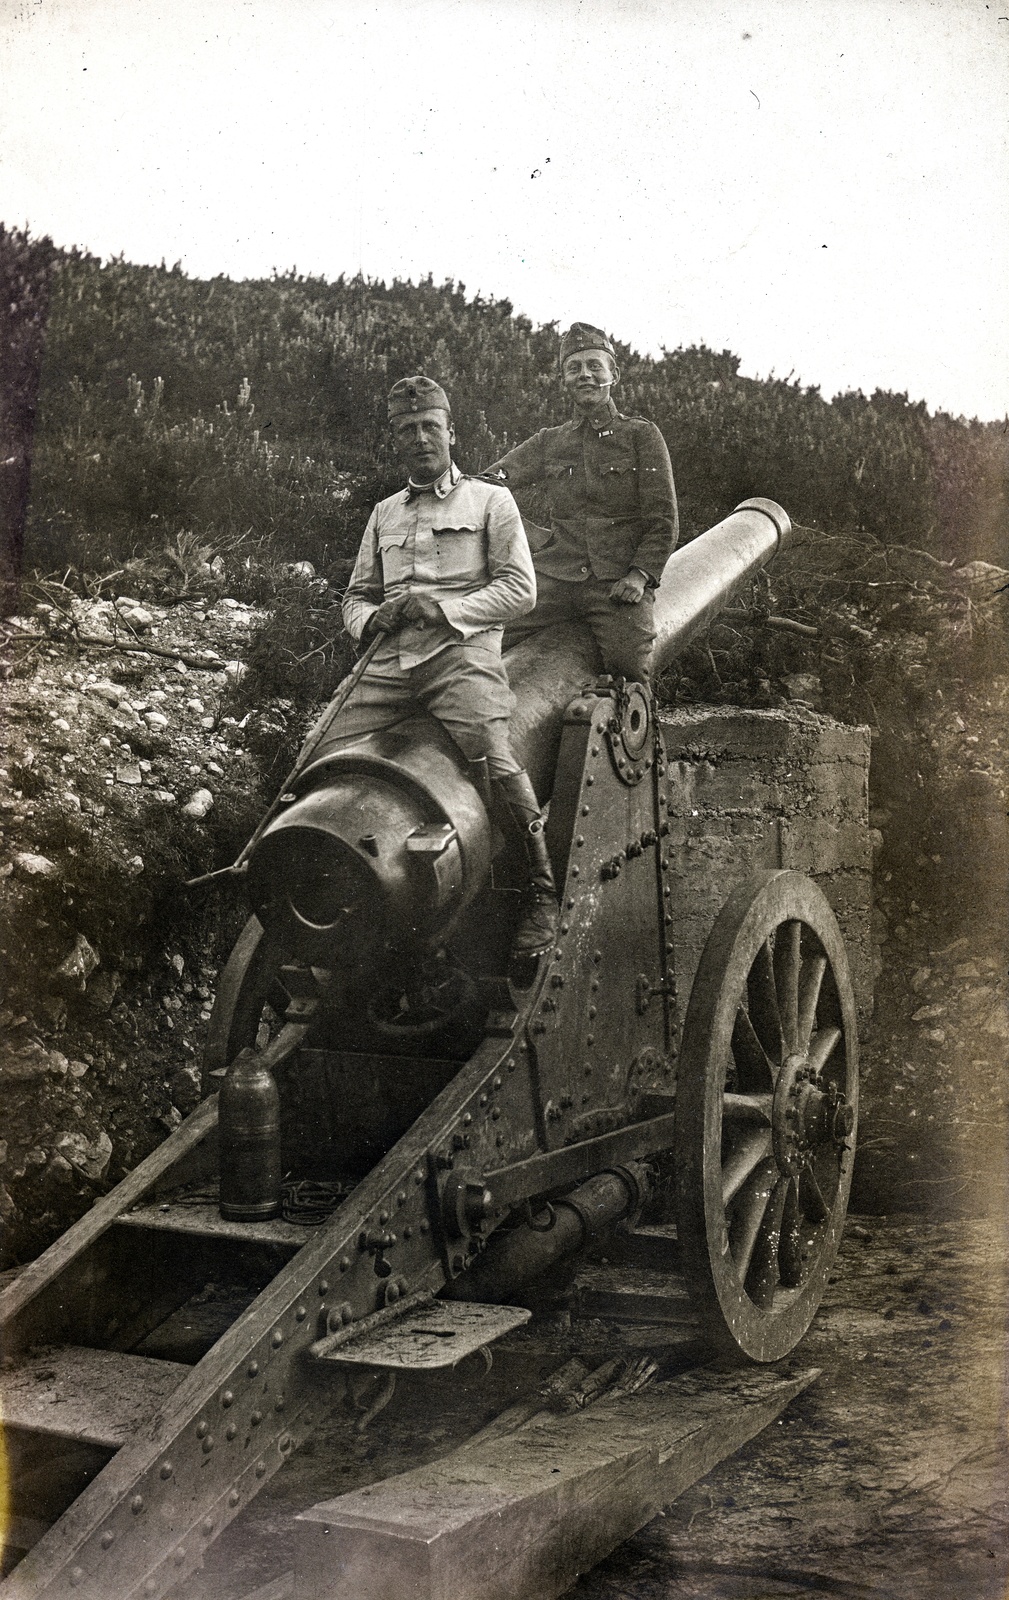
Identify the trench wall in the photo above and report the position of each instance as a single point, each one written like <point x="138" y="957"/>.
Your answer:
<point x="752" y="789"/>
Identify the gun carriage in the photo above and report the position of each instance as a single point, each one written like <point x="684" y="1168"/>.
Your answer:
<point x="486" y="1122"/>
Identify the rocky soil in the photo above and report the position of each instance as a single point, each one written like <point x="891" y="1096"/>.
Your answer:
<point x="122" y="774"/>
<point x="126" y="770"/>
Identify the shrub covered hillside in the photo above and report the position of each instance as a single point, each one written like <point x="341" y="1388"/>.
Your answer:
<point x="179" y="418"/>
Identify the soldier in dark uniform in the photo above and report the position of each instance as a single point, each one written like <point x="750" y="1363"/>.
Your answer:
<point x="613" y="520"/>
<point x="443" y="565"/>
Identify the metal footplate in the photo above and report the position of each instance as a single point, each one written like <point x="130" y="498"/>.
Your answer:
<point x="422" y="1335"/>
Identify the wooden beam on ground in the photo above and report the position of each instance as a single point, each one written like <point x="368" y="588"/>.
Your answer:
<point x="519" y="1517"/>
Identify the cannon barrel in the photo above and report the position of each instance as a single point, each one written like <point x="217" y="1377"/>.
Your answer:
<point x="385" y="841"/>
<point x="698" y="581"/>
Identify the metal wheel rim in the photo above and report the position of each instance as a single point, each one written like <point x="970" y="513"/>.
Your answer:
<point x="249" y="982"/>
<point x="762" y="1171"/>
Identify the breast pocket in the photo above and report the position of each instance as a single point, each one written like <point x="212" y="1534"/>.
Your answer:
<point x="618" y="481"/>
<point x="397" y="562"/>
<point x="460" y="554"/>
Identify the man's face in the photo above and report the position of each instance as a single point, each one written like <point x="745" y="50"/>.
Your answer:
<point x="588" y="376"/>
<point x="424" y="441"/>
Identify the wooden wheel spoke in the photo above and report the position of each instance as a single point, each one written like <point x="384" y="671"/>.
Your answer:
<point x="787" y="960"/>
<point x="747" y="1108"/>
<point x="763" y="1002"/>
<point x="763" y="1275"/>
<point x="748" y="1214"/>
<point x="752" y="1149"/>
<point x="790" y="1260"/>
<point x="822" y="1047"/>
<point x="810" y="985"/>
<point x="754" y="1067"/>
<point x="814" y="1206"/>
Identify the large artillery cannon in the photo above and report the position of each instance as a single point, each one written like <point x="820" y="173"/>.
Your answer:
<point x="484" y="1122"/>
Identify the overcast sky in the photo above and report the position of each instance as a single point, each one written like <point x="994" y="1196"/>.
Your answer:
<point x="822" y="186"/>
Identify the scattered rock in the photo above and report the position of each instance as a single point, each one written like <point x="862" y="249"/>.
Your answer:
<point x="926" y="1013"/>
<point x="101" y="992"/>
<point x="78" y="964"/>
<point x="135" y="865"/>
<point x="156" y="719"/>
<point x="129" y="774"/>
<point x="134" y="615"/>
<point x="34" y="866"/>
<point x="920" y="979"/>
<point x="32" y="1062"/>
<point x="804" y="687"/>
<point x="303" y="571"/>
<point x="198" y="804"/>
<point x="184" y="1088"/>
<point x="89" y="1156"/>
<point x="235" y="671"/>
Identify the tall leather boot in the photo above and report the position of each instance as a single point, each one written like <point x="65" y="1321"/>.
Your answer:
<point x="538" y="928"/>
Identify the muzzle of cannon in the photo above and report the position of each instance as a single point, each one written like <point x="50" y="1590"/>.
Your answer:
<point x="380" y="847"/>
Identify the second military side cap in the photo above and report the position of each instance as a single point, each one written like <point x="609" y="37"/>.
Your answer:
<point x="417" y="394"/>
<point x="583" y="336"/>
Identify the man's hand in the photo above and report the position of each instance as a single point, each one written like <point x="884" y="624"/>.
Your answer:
<point x="420" y="608"/>
<point x="629" y="591"/>
<point x="386" y="619"/>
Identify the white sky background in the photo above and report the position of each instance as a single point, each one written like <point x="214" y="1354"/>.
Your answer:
<point x="822" y="186"/>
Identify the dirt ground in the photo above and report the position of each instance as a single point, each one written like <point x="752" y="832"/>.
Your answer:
<point x="889" y="1477"/>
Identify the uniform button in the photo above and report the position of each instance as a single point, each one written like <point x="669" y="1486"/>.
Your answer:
<point x="584" y="569"/>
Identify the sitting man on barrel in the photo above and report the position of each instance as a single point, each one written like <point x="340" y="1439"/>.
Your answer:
<point x="443" y="565"/>
<point x="613" y="521"/>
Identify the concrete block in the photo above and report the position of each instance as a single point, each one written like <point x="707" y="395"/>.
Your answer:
<point x="751" y="790"/>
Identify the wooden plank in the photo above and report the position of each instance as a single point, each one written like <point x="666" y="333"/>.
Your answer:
<point x="94" y="1397"/>
<point x="205" y="1220"/>
<point x="633" y="1294"/>
<point x="43" y="1271"/>
<point x="522" y="1516"/>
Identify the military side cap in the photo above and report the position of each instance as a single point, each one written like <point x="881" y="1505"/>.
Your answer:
<point x="416" y="394"/>
<point x="583" y="336"/>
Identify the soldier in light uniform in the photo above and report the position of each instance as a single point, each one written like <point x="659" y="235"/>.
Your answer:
<point x="613" y="520"/>
<point x="444" y="564"/>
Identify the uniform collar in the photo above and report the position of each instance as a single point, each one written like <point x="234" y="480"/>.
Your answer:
<point x="440" y="488"/>
<point x="601" y="421"/>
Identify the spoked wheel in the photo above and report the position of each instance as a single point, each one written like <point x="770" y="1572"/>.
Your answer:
<point x="250" y="1004"/>
<point x="766" y="1112"/>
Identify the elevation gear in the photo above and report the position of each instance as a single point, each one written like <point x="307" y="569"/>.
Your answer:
<point x="538" y="928"/>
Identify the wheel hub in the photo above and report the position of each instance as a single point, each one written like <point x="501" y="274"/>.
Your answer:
<point x="804" y="1116"/>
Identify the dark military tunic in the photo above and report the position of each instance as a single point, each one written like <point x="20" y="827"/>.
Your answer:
<point x="610" y="492"/>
